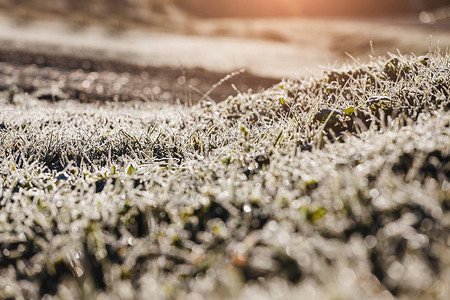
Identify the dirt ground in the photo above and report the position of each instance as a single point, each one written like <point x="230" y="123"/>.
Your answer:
<point x="191" y="59"/>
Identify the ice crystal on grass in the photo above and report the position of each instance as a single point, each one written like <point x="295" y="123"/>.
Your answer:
<point x="326" y="187"/>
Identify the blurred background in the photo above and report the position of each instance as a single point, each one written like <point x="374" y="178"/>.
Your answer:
<point x="114" y="13"/>
<point x="195" y="43"/>
<point x="163" y="12"/>
<point x="221" y="8"/>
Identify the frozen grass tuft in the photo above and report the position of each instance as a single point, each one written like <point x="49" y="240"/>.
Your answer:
<point x="331" y="187"/>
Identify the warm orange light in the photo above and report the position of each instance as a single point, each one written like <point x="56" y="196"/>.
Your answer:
<point x="239" y="8"/>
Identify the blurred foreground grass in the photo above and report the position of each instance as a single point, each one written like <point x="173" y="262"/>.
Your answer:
<point x="329" y="187"/>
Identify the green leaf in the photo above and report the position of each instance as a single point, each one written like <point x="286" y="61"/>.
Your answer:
<point x="279" y="139"/>
<point x="227" y="160"/>
<point x="349" y="110"/>
<point x="244" y="131"/>
<point x="130" y="169"/>
<point x="314" y="215"/>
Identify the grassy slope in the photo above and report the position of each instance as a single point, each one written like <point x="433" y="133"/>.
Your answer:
<point x="333" y="187"/>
